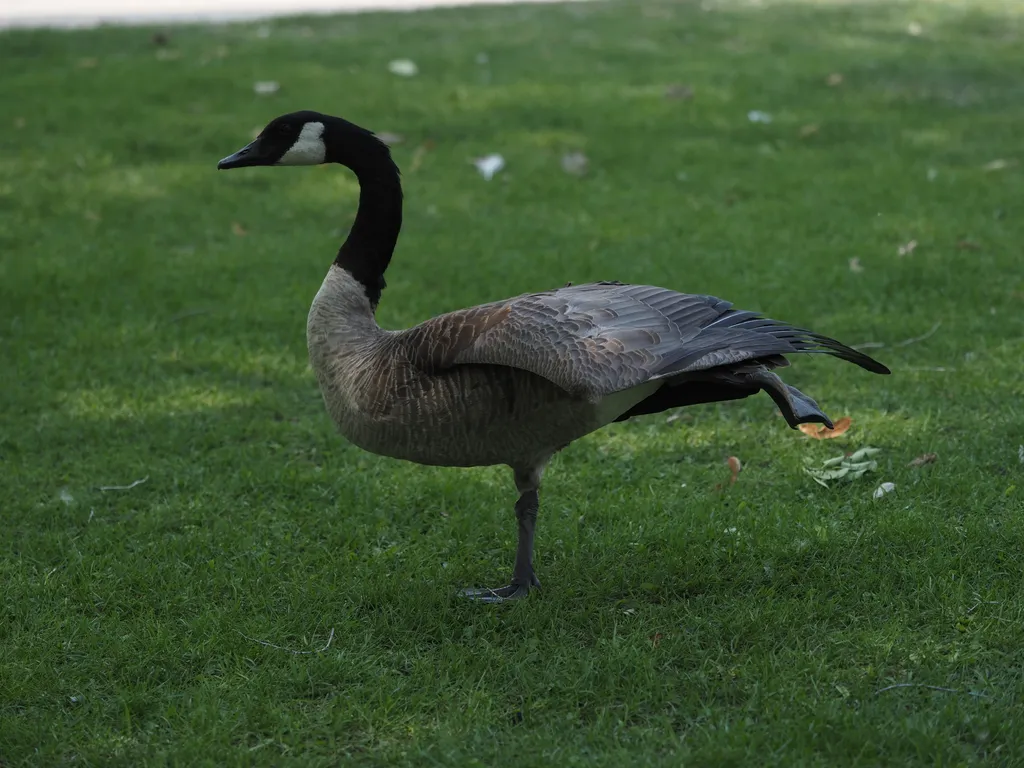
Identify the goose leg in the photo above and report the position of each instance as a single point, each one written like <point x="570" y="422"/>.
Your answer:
<point x="523" y="576"/>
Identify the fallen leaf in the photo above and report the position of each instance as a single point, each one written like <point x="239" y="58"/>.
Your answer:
<point x="924" y="458"/>
<point x="844" y="467"/>
<point x="679" y="92"/>
<point x="906" y="250"/>
<point x="855" y="265"/>
<point x="87" y="63"/>
<point x="834" y="79"/>
<point x="967" y="245"/>
<point x="403" y="67"/>
<point x="656" y="639"/>
<point x="757" y="116"/>
<point x="265" y="87"/>
<point x="391" y="138"/>
<point x="998" y="165"/>
<point x="809" y="130"/>
<point x="419" y="154"/>
<point x="735" y="467"/>
<point x="883" y="489"/>
<point x="575" y="163"/>
<point x="821" y="432"/>
<point x="238" y="229"/>
<point x="488" y="165"/>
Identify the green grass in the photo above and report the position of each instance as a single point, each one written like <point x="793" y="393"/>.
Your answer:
<point x="143" y="338"/>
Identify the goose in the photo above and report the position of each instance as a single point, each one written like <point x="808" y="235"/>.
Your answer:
<point x="512" y="382"/>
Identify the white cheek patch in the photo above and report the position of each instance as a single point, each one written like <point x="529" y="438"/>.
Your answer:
<point x="308" y="149"/>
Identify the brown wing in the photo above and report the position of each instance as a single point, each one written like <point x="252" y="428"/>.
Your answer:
<point x="600" y="338"/>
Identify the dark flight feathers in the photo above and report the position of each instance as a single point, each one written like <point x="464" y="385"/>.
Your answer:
<point x="599" y="338"/>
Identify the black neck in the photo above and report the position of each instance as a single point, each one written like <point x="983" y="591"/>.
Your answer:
<point x="367" y="250"/>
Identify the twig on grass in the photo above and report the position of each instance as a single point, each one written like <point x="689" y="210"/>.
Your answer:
<point x="187" y="314"/>
<point x="930" y="688"/>
<point x="124" y="487"/>
<point x="980" y="603"/>
<point x="330" y="639"/>
<point x="904" y="343"/>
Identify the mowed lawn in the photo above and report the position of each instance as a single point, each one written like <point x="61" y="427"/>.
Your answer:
<point x="152" y="328"/>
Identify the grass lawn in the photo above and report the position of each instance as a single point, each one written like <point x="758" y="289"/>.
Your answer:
<point x="152" y="326"/>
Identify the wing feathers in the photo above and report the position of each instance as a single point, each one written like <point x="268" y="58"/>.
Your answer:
<point x="600" y="338"/>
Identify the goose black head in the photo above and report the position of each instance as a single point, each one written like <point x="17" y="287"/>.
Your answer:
<point x="307" y="138"/>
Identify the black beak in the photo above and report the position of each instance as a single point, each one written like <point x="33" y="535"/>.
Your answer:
<point x="246" y="156"/>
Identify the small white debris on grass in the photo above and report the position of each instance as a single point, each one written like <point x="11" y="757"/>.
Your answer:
<point x="403" y="67"/>
<point x="855" y="265"/>
<point x="1020" y="453"/>
<point x="998" y="165"/>
<point x="914" y="28"/>
<point x="482" y="58"/>
<point x="265" y="87"/>
<point x="488" y="165"/>
<point x="128" y="487"/>
<point x="66" y="497"/>
<point x="883" y="489"/>
<point x="575" y="163"/>
<point x="906" y="250"/>
<point x="932" y="174"/>
<point x="757" y="116"/>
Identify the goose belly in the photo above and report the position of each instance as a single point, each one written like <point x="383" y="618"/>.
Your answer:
<point x="476" y="416"/>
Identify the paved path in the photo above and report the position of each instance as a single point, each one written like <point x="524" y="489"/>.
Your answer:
<point x="86" y="13"/>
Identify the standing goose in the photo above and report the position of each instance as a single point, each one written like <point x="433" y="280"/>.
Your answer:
<point x="514" y="381"/>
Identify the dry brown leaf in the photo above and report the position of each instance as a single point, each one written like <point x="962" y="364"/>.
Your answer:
<point x="809" y="130"/>
<point x="238" y="229"/>
<point x="735" y="467"/>
<point x="419" y="154"/>
<point x="925" y="458"/>
<point x="656" y="639"/>
<point x="836" y="78"/>
<point x="855" y="265"/>
<point x="821" y="432"/>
